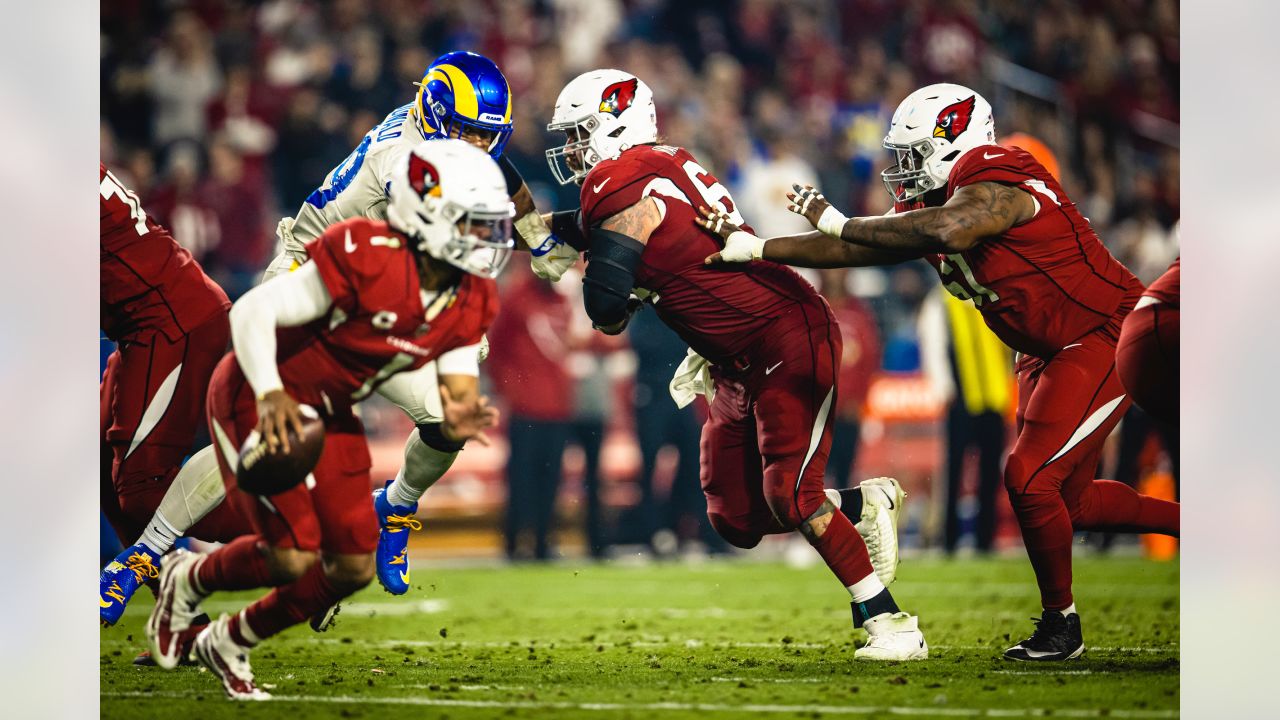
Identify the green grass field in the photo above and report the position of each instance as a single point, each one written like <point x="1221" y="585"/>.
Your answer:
<point x="722" y="639"/>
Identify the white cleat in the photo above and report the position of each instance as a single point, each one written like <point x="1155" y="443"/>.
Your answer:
<point x="893" y="637"/>
<point x="224" y="657"/>
<point x="882" y="500"/>
<point x="177" y="604"/>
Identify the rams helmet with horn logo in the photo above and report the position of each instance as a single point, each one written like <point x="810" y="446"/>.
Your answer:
<point x="930" y="130"/>
<point x="463" y="90"/>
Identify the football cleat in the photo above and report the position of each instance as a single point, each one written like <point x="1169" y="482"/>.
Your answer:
<point x="395" y="522"/>
<point x="1057" y="637"/>
<point x="322" y="621"/>
<point x="882" y="500"/>
<point x="177" y="608"/>
<point x="894" y="636"/>
<point x="186" y="652"/>
<point x="224" y="657"/>
<point x="121" y="578"/>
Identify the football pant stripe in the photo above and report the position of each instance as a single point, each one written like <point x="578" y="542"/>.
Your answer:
<point x="155" y="409"/>
<point x="1088" y="426"/>
<point x="815" y="437"/>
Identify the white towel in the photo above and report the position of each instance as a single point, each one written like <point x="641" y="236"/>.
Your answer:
<point x="692" y="378"/>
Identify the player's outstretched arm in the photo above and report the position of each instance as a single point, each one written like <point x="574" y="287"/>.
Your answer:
<point x="811" y="250"/>
<point x="288" y="300"/>
<point x="974" y="212"/>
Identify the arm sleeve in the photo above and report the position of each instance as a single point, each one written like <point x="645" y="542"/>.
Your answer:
<point x="510" y="174"/>
<point x="289" y="300"/>
<point x="460" y="361"/>
<point x="611" y="273"/>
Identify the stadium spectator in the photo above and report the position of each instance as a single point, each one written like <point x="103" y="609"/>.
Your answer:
<point x="858" y="366"/>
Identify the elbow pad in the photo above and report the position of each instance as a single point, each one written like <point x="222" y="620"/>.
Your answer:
<point x="567" y="225"/>
<point x="511" y="175"/>
<point x="611" y="273"/>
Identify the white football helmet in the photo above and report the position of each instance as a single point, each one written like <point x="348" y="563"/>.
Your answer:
<point x="451" y="199"/>
<point x="602" y="113"/>
<point x="930" y="130"/>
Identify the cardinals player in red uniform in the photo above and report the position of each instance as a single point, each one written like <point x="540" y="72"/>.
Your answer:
<point x="764" y="343"/>
<point x="1148" y="355"/>
<point x="1001" y="232"/>
<point x="375" y="299"/>
<point x="169" y="321"/>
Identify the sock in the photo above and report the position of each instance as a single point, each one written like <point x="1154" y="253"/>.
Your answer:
<point x="1068" y="610"/>
<point x="423" y="466"/>
<point x="851" y="502"/>
<point x="239" y="565"/>
<point x="286" y="606"/>
<point x="842" y="548"/>
<point x="159" y="535"/>
<point x="1046" y="532"/>
<point x="1106" y="505"/>
<point x="866" y="588"/>
<point x="874" y="606"/>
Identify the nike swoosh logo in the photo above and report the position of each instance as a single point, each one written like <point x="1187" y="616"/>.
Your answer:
<point x="103" y="603"/>
<point x="770" y="370"/>
<point x="404" y="577"/>
<point x="890" y="497"/>
<point x="1072" y="345"/>
<point x="351" y="247"/>
<point x="1037" y="653"/>
<point x="596" y="188"/>
<point x="921" y="642"/>
<point x="988" y="157"/>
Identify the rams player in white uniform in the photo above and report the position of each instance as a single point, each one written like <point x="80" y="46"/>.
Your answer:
<point x="462" y="95"/>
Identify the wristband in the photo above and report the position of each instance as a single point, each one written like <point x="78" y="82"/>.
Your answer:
<point x="832" y="221"/>
<point x="534" y="231"/>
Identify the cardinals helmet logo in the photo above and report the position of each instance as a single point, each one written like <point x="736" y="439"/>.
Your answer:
<point x="423" y="176"/>
<point x="618" y="96"/>
<point x="954" y="119"/>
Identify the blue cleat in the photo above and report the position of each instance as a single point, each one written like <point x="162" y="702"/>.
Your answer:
<point x="121" y="578"/>
<point x="395" y="522"/>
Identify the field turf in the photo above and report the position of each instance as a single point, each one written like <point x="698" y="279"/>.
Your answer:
<point x="716" y="640"/>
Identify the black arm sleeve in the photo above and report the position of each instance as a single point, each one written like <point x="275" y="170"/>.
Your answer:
<point x="510" y="174"/>
<point x="611" y="273"/>
<point x="567" y="225"/>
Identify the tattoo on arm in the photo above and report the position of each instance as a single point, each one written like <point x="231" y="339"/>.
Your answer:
<point x="638" y="221"/>
<point x="974" y="212"/>
<point x="819" y="250"/>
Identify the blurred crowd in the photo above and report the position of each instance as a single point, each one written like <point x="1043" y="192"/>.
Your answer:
<point x="224" y="114"/>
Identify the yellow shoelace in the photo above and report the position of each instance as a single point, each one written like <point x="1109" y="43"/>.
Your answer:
<point x="142" y="566"/>
<point x="396" y="523"/>
<point x="399" y="559"/>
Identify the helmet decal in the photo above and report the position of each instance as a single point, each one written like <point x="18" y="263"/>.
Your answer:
<point x="423" y="176"/>
<point x="954" y="119"/>
<point x="617" y="97"/>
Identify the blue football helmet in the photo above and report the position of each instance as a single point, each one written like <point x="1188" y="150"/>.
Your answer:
<point x="463" y="91"/>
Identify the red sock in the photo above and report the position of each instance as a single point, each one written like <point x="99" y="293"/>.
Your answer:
<point x="286" y="606"/>
<point x="843" y="550"/>
<point x="239" y="565"/>
<point x="1116" y="507"/>
<point x="1046" y="532"/>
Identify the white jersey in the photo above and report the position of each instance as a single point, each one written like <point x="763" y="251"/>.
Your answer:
<point x="358" y="186"/>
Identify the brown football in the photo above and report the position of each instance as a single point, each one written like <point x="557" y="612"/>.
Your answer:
<point x="262" y="473"/>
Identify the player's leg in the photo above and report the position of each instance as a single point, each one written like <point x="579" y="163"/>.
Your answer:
<point x="1147" y="360"/>
<point x="428" y="455"/>
<point x="732" y="470"/>
<point x="794" y="426"/>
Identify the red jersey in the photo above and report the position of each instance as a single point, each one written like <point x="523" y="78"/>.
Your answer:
<point x="1045" y="283"/>
<point x="149" y="282"/>
<point x="722" y="313"/>
<point x="381" y="322"/>
<point x="1167" y="287"/>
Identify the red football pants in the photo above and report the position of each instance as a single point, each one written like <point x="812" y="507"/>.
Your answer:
<point x="1066" y="408"/>
<point x="334" y="514"/>
<point x="1147" y="359"/>
<point x="151" y="402"/>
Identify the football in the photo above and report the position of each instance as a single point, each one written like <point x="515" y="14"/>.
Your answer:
<point x="263" y="473"/>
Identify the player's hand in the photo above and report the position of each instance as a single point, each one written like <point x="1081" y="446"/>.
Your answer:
<point x="277" y="414"/>
<point x="717" y="221"/>
<point x="467" y="420"/>
<point x="552" y="258"/>
<point x="808" y="202"/>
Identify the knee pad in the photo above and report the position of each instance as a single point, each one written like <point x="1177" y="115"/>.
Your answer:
<point x="732" y="534"/>
<point x="432" y="434"/>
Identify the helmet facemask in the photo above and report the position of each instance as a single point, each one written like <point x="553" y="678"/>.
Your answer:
<point x="572" y="161"/>
<point x="910" y="177"/>
<point x="449" y="124"/>
<point x="474" y="239"/>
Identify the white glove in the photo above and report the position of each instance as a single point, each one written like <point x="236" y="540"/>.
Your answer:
<point x="549" y="256"/>
<point x="742" y="246"/>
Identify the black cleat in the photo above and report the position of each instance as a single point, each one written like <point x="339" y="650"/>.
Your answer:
<point x="1056" y="638"/>
<point x="322" y="621"/>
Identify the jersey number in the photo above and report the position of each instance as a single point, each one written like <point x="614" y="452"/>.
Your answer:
<point x="958" y="279"/>
<point x="111" y="186"/>
<point x="342" y="176"/>
<point x="713" y="193"/>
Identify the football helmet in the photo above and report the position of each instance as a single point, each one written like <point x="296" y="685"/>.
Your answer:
<point x="602" y="113"/>
<point x="465" y="91"/>
<point x="930" y="130"/>
<point x="450" y="198"/>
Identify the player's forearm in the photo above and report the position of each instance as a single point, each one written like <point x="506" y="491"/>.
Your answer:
<point x="819" y="250"/>
<point x="289" y="300"/>
<point x="927" y="230"/>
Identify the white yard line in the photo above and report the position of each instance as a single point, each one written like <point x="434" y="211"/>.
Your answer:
<point x="932" y="711"/>
<point x="555" y="645"/>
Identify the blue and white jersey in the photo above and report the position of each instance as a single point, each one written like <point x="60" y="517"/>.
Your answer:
<point x="358" y="186"/>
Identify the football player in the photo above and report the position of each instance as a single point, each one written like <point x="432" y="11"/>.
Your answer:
<point x="169" y="321"/>
<point x="1001" y="232"/>
<point x="464" y="96"/>
<point x="763" y="336"/>
<point x="374" y="299"/>
<point x="1148" y="357"/>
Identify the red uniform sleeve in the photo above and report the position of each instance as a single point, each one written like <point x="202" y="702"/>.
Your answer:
<point x="993" y="163"/>
<point x="615" y="185"/>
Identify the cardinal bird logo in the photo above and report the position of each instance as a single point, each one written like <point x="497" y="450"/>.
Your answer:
<point x="423" y="176"/>
<point x="954" y="119"/>
<point x="618" y="96"/>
